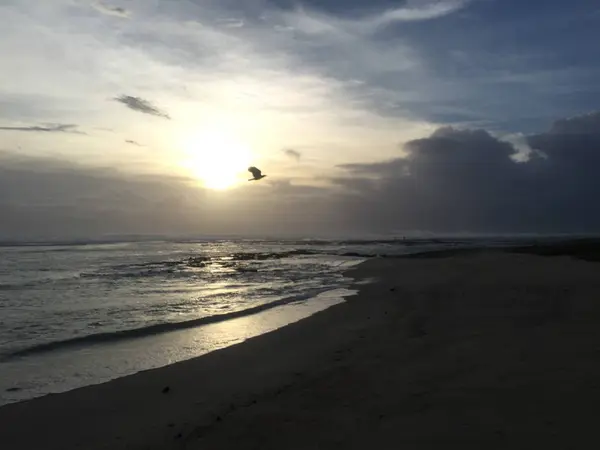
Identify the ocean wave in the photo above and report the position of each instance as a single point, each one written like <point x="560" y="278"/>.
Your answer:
<point x="195" y="266"/>
<point x="185" y="267"/>
<point x="151" y="330"/>
<point x="13" y="286"/>
<point x="18" y="286"/>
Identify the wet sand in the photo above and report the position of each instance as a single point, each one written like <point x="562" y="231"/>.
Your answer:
<point x="475" y="349"/>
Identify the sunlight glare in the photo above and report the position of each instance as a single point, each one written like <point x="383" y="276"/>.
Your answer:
<point x="216" y="159"/>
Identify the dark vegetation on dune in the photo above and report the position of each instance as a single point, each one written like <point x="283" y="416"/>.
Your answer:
<point x="586" y="249"/>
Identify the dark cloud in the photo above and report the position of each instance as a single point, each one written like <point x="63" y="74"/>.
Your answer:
<point x="111" y="10"/>
<point x="51" y="128"/>
<point x="466" y="180"/>
<point x="44" y="198"/>
<point x="141" y="105"/>
<point x="294" y="154"/>
<point x="132" y="142"/>
<point x="584" y="124"/>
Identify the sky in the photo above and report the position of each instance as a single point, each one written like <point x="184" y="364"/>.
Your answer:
<point x="380" y="116"/>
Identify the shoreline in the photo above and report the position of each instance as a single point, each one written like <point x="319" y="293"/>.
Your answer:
<point x="153" y="330"/>
<point x="103" y="362"/>
<point x="390" y="358"/>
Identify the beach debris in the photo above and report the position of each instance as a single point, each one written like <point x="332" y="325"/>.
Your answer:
<point x="256" y="173"/>
<point x="166" y="389"/>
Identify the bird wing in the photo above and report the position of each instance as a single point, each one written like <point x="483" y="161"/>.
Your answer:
<point x="256" y="173"/>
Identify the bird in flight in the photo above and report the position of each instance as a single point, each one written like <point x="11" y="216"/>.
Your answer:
<point x="256" y="173"/>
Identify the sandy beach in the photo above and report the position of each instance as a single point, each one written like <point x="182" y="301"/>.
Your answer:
<point x="471" y="350"/>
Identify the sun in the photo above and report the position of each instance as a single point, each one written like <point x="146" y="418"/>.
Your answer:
<point x="216" y="159"/>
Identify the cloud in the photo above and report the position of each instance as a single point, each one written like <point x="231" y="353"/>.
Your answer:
<point x="315" y="22"/>
<point x="54" y="198"/>
<point x="132" y="142"/>
<point x="294" y="154"/>
<point x="413" y="70"/>
<point x="54" y="128"/>
<point x="110" y="10"/>
<point x="389" y="75"/>
<point x="577" y="125"/>
<point x="231" y="23"/>
<point x="73" y="201"/>
<point x="416" y="10"/>
<point x="141" y="105"/>
<point x="468" y="180"/>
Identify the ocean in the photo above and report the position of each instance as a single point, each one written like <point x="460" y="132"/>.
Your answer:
<point x="75" y="315"/>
